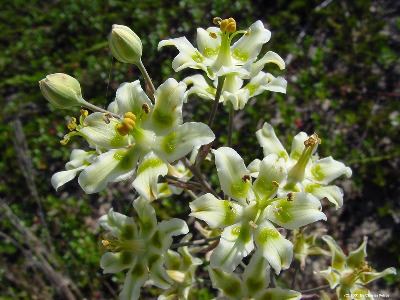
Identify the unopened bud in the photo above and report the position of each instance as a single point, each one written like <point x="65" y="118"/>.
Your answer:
<point x="125" y="45"/>
<point x="61" y="90"/>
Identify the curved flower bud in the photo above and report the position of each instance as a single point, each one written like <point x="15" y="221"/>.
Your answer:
<point x="61" y="90"/>
<point x="125" y="45"/>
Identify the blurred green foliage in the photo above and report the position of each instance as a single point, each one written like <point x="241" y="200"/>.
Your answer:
<point x="343" y="83"/>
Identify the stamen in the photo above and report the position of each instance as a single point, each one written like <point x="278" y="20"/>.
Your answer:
<point x="252" y="224"/>
<point x="228" y="25"/>
<point x="290" y="197"/>
<point x="312" y="140"/>
<point x="213" y="35"/>
<point x="275" y="183"/>
<point x="245" y="178"/>
<point x="106" y="118"/>
<point x="127" y="124"/>
<point x="84" y="113"/>
<point x="146" y="108"/>
<point x="217" y="21"/>
<point x="72" y="124"/>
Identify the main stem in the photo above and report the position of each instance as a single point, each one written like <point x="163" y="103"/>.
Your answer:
<point x="149" y="83"/>
<point x="230" y="125"/>
<point x="216" y="101"/>
<point x="203" y="151"/>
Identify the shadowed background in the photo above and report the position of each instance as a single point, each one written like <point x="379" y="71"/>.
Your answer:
<point x="343" y="83"/>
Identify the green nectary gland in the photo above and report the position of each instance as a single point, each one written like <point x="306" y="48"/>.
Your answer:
<point x="268" y="234"/>
<point x="169" y="143"/>
<point x="317" y="172"/>
<point x="150" y="163"/>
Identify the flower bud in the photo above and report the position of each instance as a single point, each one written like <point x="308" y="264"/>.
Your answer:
<point x="125" y="45"/>
<point x="61" y="90"/>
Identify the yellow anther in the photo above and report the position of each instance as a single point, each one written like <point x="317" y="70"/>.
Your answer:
<point x="84" y="113"/>
<point x="105" y="243"/>
<point x="130" y="123"/>
<point x="312" y="140"/>
<point x="122" y="129"/>
<point x="72" y="124"/>
<point x="217" y="21"/>
<point x="290" y="197"/>
<point x="213" y="35"/>
<point x="228" y="25"/>
<point x="275" y="183"/>
<point x="130" y="115"/>
<point x="64" y="141"/>
<point x="146" y="108"/>
<point x="245" y="178"/>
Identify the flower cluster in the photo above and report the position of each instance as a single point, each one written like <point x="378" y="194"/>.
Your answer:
<point x="141" y="136"/>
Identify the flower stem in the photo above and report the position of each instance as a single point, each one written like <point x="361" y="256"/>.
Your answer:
<point x="216" y="101"/>
<point x="194" y="243"/>
<point x="99" y="109"/>
<point x="149" y="83"/>
<point x="319" y="288"/>
<point x="204" y="150"/>
<point x="230" y="126"/>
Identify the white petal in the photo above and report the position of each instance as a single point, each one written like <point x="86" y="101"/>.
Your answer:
<point x="249" y="45"/>
<point x="279" y="294"/>
<point x="275" y="248"/>
<point x="216" y="213"/>
<point x="182" y="140"/>
<point x="237" y="99"/>
<point x="149" y="169"/>
<point x="114" y="263"/>
<point x="146" y="217"/>
<point x="269" y="57"/>
<point x="265" y="82"/>
<point x="327" y="169"/>
<point x="333" y="193"/>
<point x="108" y="167"/>
<point x="199" y="87"/>
<point x="134" y="280"/>
<point x="331" y="276"/>
<point x="231" y="173"/>
<point x="300" y="211"/>
<point x="272" y="172"/>
<point x="167" y="112"/>
<point x="159" y="276"/>
<point x="188" y="57"/>
<point x="298" y="145"/>
<point x="256" y="276"/>
<point x="267" y="138"/>
<point x="130" y="97"/>
<point x="60" y="178"/>
<point x="338" y="257"/>
<point x="101" y="134"/>
<point x="209" y="46"/>
<point x="228" y="283"/>
<point x="254" y="167"/>
<point x="236" y="242"/>
<point x="80" y="158"/>
<point x="168" y="229"/>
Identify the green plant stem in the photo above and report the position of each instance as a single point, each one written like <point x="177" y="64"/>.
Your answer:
<point x="204" y="150"/>
<point x="319" y="288"/>
<point x="230" y="125"/>
<point x="149" y="83"/>
<point x="199" y="176"/>
<point x="99" y="109"/>
<point x="216" y="101"/>
<point x="194" y="243"/>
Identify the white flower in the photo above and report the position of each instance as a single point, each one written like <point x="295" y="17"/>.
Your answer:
<point x="139" y="246"/>
<point x="306" y="172"/>
<point x="181" y="267"/>
<point x="150" y="136"/>
<point x="252" y="284"/>
<point x="349" y="274"/>
<point x="235" y="91"/>
<point x="217" y="57"/>
<point x="248" y="218"/>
